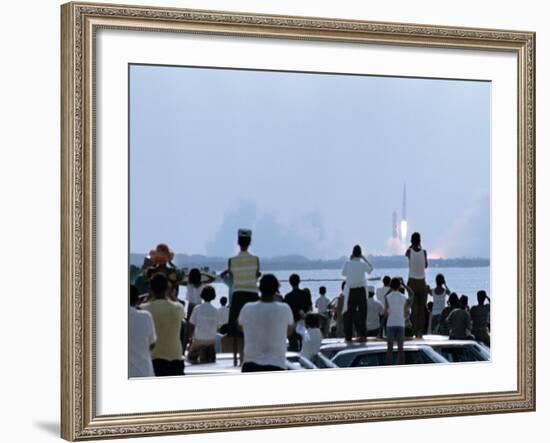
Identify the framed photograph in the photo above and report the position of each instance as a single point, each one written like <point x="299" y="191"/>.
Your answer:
<point x="275" y="221"/>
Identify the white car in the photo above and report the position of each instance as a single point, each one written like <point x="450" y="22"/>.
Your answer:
<point x="374" y="354"/>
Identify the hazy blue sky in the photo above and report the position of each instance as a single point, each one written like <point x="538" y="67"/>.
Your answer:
<point x="313" y="163"/>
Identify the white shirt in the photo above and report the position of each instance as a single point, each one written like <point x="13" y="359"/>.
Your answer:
<point x="194" y="294"/>
<point x="417" y="264"/>
<point x="142" y="335"/>
<point x="374" y="310"/>
<point x="440" y="301"/>
<point x="265" y="326"/>
<point x="354" y="271"/>
<point x="223" y="315"/>
<point x="205" y="319"/>
<point x="311" y="342"/>
<point x="396" y="308"/>
<point x="381" y="293"/>
<point x="322" y="304"/>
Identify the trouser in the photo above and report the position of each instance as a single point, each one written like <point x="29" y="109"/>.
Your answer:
<point x="420" y="298"/>
<point x="373" y="332"/>
<point x="295" y="342"/>
<point x="203" y="351"/>
<point x="240" y="298"/>
<point x="164" y="368"/>
<point x="435" y="323"/>
<point x="482" y="335"/>
<point x="324" y="322"/>
<point x="356" y="314"/>
<point x="190" y="308"/>
<point x="250" y="366"/>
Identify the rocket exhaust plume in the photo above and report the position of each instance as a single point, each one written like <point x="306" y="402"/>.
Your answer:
<point x="403" y="230"/>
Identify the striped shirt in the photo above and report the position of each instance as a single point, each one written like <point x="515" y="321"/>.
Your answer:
<point x="244" y="268"/>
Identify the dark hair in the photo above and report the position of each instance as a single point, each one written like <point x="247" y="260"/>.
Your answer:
<point x="244" y="241"/>
<point x="223" y="301"/>
<point x="195" y="277"/>
<point x="453" y="299"/>
<point x="386" y="280"/>
<point x="481" y="296"/>
<point x="463" y="301"/>
<point x="134" y="295"/>
<point x="395" y="283"/>
<point x="312" y="320"/>
<point x="439" y="279"/>
<point x="269" y="285"/>
<point x="208" y="293"/>
<point x="294" y="280"/>
<point x="158" y="285"/>
<point x="415" y="239"/>
<point x="322" y="290"/>
<point x="356" y="251"/>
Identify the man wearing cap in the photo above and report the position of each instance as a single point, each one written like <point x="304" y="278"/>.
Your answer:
<point x="244" y="270"/>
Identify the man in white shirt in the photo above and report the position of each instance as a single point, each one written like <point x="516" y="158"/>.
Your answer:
<point x="205" y="320"/>
<point x="396" y="309"/>
<point x="266" y="324"/>
<point x="142" y="338"/>
<point x="355" y="306"/>
<point x="375" y="313"/>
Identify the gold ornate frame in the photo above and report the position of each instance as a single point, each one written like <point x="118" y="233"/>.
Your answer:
<point x="79" y="23"/>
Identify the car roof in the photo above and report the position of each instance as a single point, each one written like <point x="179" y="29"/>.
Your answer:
<point x="379" y="347"/>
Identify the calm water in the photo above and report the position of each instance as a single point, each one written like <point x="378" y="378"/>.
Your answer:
<point x="460" y="280"/>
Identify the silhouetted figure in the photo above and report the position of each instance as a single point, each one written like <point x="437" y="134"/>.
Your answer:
<point x="299" y="301"/>
<point x="322" y="308"/>
<point x="244" y="270"/>
<point x="167" y="315"/>
<point x="460" y="323"/>
<point x="481" y="319"/>
<point x="205" y="321"/>
<point x="141" y="338"/>
<point x="397" y="310"/>
<point x="355" y="302"/>
<point x="418" y="262"/>
<point x="266" y="324"/>
<point x="375" y="314"/>
<point x="439" y="295"/>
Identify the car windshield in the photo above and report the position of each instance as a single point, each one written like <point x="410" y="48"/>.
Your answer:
<point x="459" y="353"/>
<point x="412" y="357"/>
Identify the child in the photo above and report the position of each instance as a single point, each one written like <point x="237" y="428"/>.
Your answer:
<point x="223" y="315"/>
<point x="311" y="341"/>
<point x="322" y="308"/>
<point x="205" y="320"/>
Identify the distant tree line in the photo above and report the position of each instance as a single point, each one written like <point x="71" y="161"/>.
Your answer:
<point x="298" y="262"/>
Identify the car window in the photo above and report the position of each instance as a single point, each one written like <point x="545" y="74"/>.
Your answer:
<point x="412" y="357"/>
<point x="459" y="353"/>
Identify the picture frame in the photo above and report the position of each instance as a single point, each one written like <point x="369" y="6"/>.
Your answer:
<point x="79" y="207"/>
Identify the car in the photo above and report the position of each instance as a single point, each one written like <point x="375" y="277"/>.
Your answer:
<point x="224" y="364"/>
<point x="374" y="354"/>
<point x="456" y="351"/>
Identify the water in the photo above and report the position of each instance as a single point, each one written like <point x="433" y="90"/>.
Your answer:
<point x="460" y="280"/>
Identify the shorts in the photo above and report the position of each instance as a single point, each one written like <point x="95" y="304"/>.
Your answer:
<point x="395" y="333"/>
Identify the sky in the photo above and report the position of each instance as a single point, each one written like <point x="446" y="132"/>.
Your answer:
<point x="312" y="163"/>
